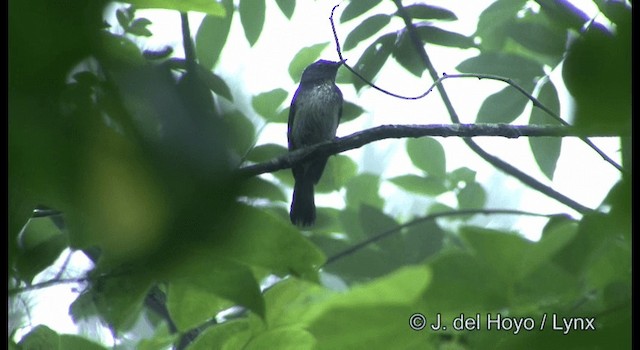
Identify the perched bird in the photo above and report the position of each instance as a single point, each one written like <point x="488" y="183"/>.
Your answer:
<point x="314" y="115"/>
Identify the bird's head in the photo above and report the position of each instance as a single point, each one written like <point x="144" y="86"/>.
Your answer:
<point x="321" y="70"/>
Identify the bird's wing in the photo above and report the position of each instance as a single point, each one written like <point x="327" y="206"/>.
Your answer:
<point x="292" y="113"/>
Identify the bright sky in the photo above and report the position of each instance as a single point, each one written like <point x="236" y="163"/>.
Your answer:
<point x="581" y="174"/>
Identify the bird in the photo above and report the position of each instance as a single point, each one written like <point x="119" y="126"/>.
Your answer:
<point x="314" y="115"/>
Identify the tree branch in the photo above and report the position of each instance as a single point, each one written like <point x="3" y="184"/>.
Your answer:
<point x="361" y="138"/>
<point x="491" y="159"/>
<point x="432" y="217"/>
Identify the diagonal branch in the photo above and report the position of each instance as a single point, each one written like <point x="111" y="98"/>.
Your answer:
<point x="491" y="159"/>
<point x="361" y="138"/>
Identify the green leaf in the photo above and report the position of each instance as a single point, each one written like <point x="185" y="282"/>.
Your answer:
<point x="520" y="69"/>
<point x="303" y="58"/>
<point x="472" y="196"/>
<point x="139" y="27"/>
<point x="429" y="185"/>
<point x="123" y="18"/>
<point x="263" y="240"/>
<point x="502" y="107"/>
<point x="212" y="36"/>
<point x="422" y="241"/>
<point x="437" y="36"/>
<point x="538" y="37"/>
<point x="512" y="256"/>
<point x="75" y="342"/>
<point x="371" y="316"/>
<point x="339" y="170"/>
<point x="215" y="83"/>
<point x="427" y="154"/>
<point x="232" y="334"/>
<point x="41" y="243"/>
<point x="461" y="175"/>
<point x="546" y="150"/>
<point x="603" y="95"/>
<point x="265" y="152"/>
<point x="209" y="7"/>
<point x="373" y="58"/>
<point x="267" y="103"/>
<point x="287" y="7"/>
<point x="40" y="337"/>
<point x="291" y="338"/>
<point x="119" y="299"/>
<point x="350" y="111"/>
<point x="257" y="187"/>
<point x="363" y="189"/>
<point x="356" y="8"/>
<point x="205" y="285"/>
<point x="241" y="131"/>
<point x="423" y="11"/>
<point x="252" y="13"/>
<point x="365" y="30"/>
<point x="494" y="22"/>
<point x="407" y="55"/>
<point x="374" y="221"/>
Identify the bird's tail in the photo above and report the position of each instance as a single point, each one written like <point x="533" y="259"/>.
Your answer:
<point x="303" y="207"/>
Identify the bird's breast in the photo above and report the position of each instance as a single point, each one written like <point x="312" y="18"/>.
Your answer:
<point x="317" y="115"/>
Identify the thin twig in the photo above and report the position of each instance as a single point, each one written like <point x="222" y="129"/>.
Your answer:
<point x="495" y="161"/>
<point x="46" y="284"/>
<point x="431" y="217"/>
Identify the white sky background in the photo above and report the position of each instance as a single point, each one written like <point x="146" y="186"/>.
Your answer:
<point x="580" y="174"/>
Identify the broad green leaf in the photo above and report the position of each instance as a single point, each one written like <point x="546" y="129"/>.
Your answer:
<point x="522" y="70"/>
<point x="502" y="107"/>
<point x="290" y="338"/>
<point x="204" y="288"/>
<point x="252" y="13"/>
<point x="427" y="154"/>
<point x="212" y="36"/>
<point x="512" y="256"/>
<point x="303" y="58"/>
<point x="241" y="132"/>
<point x="406" y="54"/>
<point x="43" y="337"/>
<point x="538" y="37"/>
<point x="546" y="150"/>
<point x="423" y="11"/>
<point x="350" y="111"/>
<point x="603" y="95"/>
<point x="372" y="316"/>
<point x="472" y="196"/>
<point x="339" y="170"/>
<point x="139" y="27"/>
<point x="437" y="36"/>
<point x="365" y="30"/>
<point x="257" y="187"/>
<point x="356" y="8"/>
<point x="288" y="299"/>
<point x="260" y="239"/>
<point x="363" y="189"/>
<point x="123" y="18"/>
<point x="374" y="221"/>
<point x="41" y="243"/>
<point x="287" y="7"/>
<point x="461" y="175"/>
<point x="119" y="299"/>
<point x="209" y="7"/>
<point x="428" y="185"/>
<point x="327" y="221"/>
<point x="373" y="58"/>
<point x="494" y="21"/>
<point x="215" y="83"/>
<point x="422" y="241"/>
<point x="235" y="332"/>
<point x="453" y="296"/>
<point x="266" y="152"/>
<point x="268" y="103"/>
